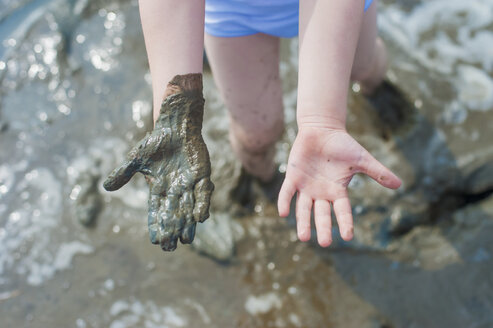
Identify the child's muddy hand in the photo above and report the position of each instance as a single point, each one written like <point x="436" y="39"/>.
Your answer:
<point x="176" y="164"/>
<point x="320" y="167"/>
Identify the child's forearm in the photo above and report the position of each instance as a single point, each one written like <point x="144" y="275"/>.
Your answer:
<point x="329" y="32"/>
<point x="174" y="37"/>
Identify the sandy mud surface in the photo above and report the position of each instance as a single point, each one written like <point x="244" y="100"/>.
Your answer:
<point x="75" y="97"/>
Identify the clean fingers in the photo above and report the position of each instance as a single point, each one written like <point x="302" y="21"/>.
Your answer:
<point x="323" y="222"/>
<point x="285" y="195"/>
<point x="303" y="212"/>
<point x="344" y="215"/>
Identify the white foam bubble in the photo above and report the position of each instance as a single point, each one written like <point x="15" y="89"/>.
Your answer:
<point x="475" y="88"/>
<point x="6" y="180"/>
<point x="200" y="309"/>
<point x="67" y="251"/>
<point x="262" y="303"/>
<point x="133" y="313"/>
<point x="454" y="113"/>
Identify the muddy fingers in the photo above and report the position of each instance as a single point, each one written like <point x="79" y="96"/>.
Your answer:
<point x="203" y="191"/>
<point x="187" y="206"/>
<point x="169" y="223"/>
<point x="152" y="220"/>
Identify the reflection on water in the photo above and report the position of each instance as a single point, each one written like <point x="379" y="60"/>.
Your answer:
<point x="75" y="94"/>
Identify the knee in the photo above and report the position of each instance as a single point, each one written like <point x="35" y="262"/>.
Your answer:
<point x="362" y="68"/>
<point x="258" y="138"/>
<point x="365" y="66"/>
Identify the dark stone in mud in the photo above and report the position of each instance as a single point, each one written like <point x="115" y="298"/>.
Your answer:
<point x="88" y="202"/>
<point x="216" y="238"/>
<point x="407" y="213"/>
<point x="176" y="164"/>
<point x="479" y="178"/>
<point x="3" y="126"/>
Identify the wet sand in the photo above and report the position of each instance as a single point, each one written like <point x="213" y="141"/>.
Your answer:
<point x="75" y="96"/>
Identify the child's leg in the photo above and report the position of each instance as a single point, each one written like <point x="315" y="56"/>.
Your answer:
<point x="370" y="60"/>
<point x="246" y="71"/>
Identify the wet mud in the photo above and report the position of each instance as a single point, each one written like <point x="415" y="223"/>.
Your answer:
<point x="75" y="96"/>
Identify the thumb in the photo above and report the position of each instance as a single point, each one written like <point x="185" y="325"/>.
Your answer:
<point x="126" y="171"/>
<point x="120" y="176"/>
<point x="378" y="172"/>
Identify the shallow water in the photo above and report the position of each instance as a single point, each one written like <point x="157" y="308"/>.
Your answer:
<point x="75" y="95"/>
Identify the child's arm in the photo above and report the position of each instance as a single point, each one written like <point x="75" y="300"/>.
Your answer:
<point x="324" y="156"/>
<point x="174" y="38"/>
<point x="174" y="157"/>
<point x="329" y="32"/>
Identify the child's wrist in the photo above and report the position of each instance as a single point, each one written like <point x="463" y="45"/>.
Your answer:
<point x="187" y="83"/>
<point x="182" y="108"/>
<point x="329" y="114"/>
<point x="324" y="121"/>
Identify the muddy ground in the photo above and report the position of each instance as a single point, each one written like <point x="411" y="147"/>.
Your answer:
<point x="75" y="96"/>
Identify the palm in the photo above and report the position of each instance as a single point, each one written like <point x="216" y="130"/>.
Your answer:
<point x="321" y="165"/>
<point x="333" y="158"/>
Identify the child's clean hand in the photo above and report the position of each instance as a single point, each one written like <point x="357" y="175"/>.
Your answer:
<point x="320" y="167"/>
